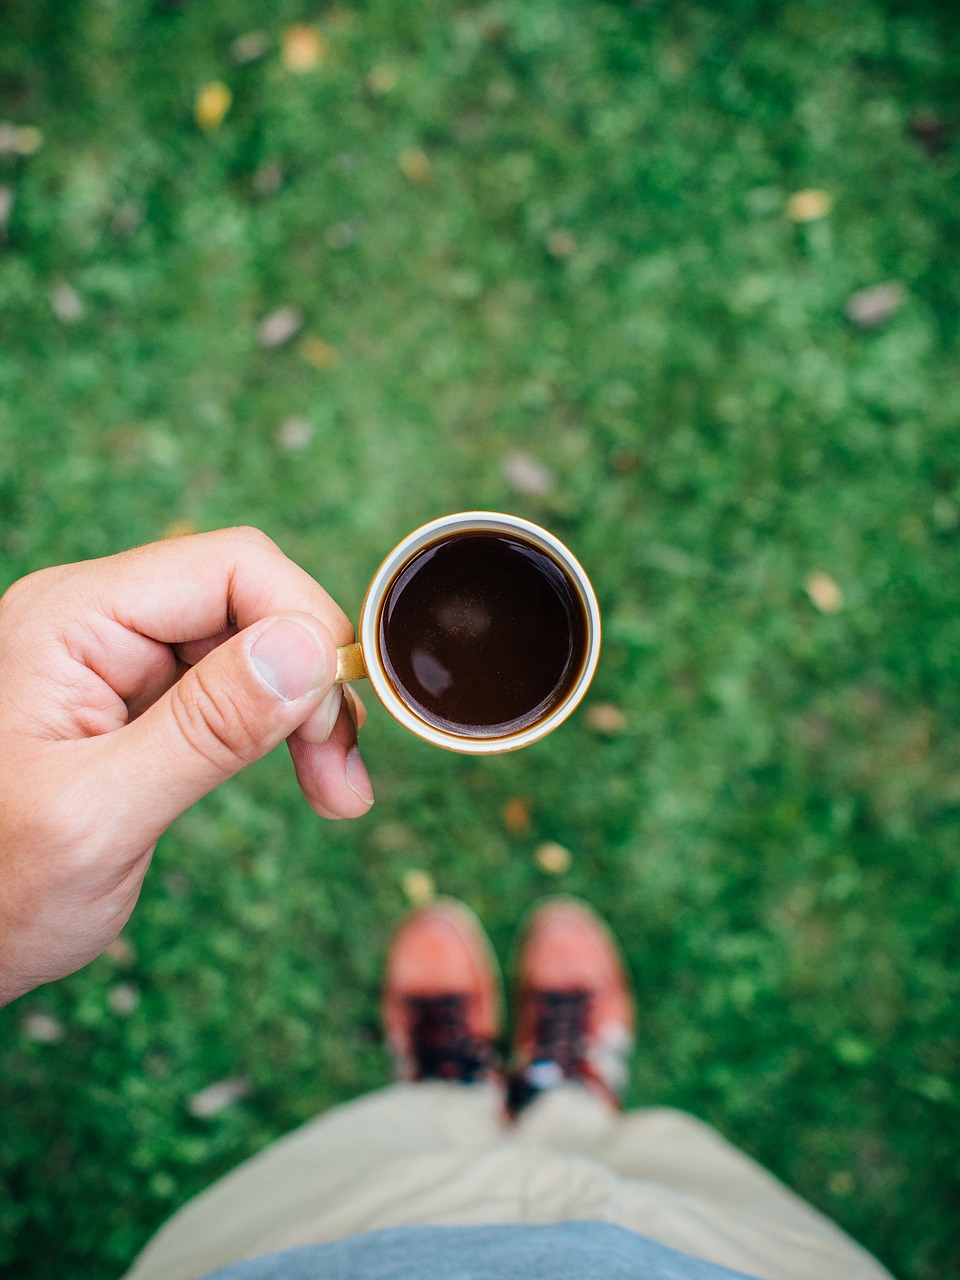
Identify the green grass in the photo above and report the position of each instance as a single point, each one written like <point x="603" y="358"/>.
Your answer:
<point x="775" y="834"/>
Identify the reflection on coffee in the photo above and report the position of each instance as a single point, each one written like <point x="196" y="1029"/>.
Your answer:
<point x="482" y="634"/>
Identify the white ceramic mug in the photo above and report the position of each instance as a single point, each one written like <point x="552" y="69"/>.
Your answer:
<point x="364" y="659"/>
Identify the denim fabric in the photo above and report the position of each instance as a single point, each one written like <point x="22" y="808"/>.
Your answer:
<point x="561" y="1251"/>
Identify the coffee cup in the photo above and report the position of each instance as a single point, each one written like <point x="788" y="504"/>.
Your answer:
<point x="479" y="632"/>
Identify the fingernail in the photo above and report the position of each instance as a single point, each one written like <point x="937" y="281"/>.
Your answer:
<point x="327" y="713"/>
<point x="357" y="776"/>
<point x="289" y="659"/>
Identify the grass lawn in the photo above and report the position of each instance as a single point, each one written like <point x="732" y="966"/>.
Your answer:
<point x="569" y="232"/>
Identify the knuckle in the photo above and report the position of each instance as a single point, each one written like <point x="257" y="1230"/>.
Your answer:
<point x="25" y="591"/>
<point x="253" y="537"/>
<point x="214" y="724"/>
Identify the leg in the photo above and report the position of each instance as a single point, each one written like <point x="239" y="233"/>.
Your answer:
<point x="384" y="1159"/>
<point x="678" y="1180"/>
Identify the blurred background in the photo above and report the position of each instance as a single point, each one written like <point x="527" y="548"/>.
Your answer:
<point x="679" y="280"/>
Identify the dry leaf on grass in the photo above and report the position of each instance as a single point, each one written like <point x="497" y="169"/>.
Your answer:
<point x="66" y="303"/>
<point x="295" y="434"/>
<point x="303" y="48"/>
<point x="213" y="103"/>
<point x="216" y="1097"/>
<point x="870" y="307"/>
<point x="19" y="140"/>
<point x="42" y="1027"/>
<point x="808" y="206"/>
<point x="249" y="47"/>
<point x="415" y="166"/>
<point x="516" y="815"/>
<point x="123" y="998"/>
<point x="418" y="887"/>
<point x="121" y="951"/>
<point x="279" y="327"/>
<point x="318" y="353"/>
<point x="606" y="718"/>
<point x="526" y="474"/>
<point x="824" y="592"/>
<point x="553" y="858"/>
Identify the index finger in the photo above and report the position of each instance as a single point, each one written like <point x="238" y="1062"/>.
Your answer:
<point x="200" y="585"/>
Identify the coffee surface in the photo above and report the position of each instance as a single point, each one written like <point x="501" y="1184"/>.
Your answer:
<point x="482" y="634"/>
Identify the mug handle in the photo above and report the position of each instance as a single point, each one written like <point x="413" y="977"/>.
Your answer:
<point x="350" y="664"/>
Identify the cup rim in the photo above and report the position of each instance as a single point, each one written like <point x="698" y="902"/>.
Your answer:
<point x="369" y="628"/>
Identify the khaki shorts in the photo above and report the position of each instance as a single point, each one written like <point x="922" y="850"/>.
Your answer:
<point x="438" y="1153"/>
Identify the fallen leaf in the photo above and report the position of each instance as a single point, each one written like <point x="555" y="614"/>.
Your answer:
<point x="30" y="140"/>
<point x="870" y="307"/>
<point x="808" y="206"/>
<point x="516" y="815"/>
<point x="279" y="327"/>
<point x="318" y="353"/>
<point x="561" y="243"/>
<point x="824" y="592"/>
<point x="841" y="1183"/>
<point x="526" y="474"/>
<point x="267" y="178"/>
<point x="418" y="887"/>
<point x="249" y="47"/>
<point x="606" y="718"/>
<point x="42" y="1027"/>
<point x="295" y="434"/>
<point x="217" y="1097"/>
<point x="66" y="303"/>
<point x="9" y="139"/>
<point x="180" y="529"/>
<point x="121" y="951"/>
<point x="213" y="103"/>
<point x="123" y="998"/>
<point x="553" y="858"/>
<point x="303" y="48"/>
<point x="382" y="79"/>
<point x="415" y="166"/>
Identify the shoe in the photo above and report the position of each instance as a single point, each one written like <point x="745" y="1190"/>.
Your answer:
<point x="574" y="1016"/>
<point x="442" y="999"/>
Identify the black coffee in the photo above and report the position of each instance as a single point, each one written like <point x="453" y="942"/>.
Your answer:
<point x="482" y="634"/>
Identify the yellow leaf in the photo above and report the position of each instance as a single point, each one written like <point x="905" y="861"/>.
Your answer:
<point x="213" y="103"/>
<point x="180" y="529"/>
<point x="29" y="139"/>
<point x="303" y="48"/>
<point x="318" y="353"/>
<point x="824" y="592"/>
<point x="418" y="886"/>
<point x="415" y="166"/>
<point x="807" y="206"/>
<point x="553" y="858"/>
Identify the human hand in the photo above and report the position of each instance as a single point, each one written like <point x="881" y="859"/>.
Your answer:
<point x="131" y="686"/>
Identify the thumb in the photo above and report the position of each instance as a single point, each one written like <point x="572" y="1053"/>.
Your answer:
<point x="234" y="706"/>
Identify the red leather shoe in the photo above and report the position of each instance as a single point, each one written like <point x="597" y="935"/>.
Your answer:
<point x="442" y="1000"/>
<point x="575" y="1016"/>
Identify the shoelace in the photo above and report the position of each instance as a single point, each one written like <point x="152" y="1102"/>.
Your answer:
<point x="443" y="1047"/>
<point x="561" y="1029"/>
<point x="560" y="1040"/>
